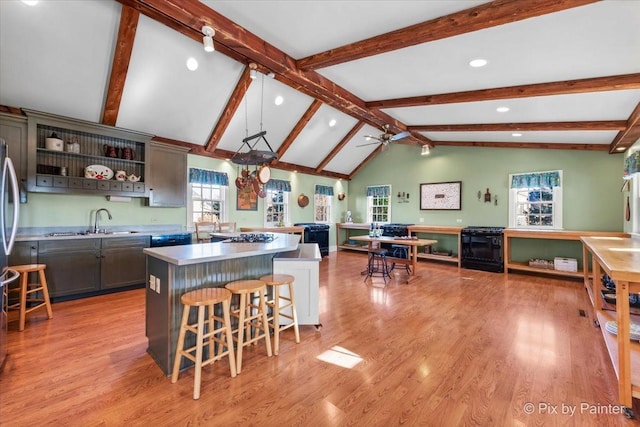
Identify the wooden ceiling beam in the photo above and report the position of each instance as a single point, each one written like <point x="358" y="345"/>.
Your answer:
<point x="531" y="145"/>
<point x="596" y="84"/>
<point x="487" y="15"/>
<point x="609" y="125"/>
<point x="229" y="110"/>
<point x="188" y="17"/>
<point x="313" y="108"/>
<point x="120" y="64"/>
<point x="354" y="130"/>
<point x="629" y="135"/>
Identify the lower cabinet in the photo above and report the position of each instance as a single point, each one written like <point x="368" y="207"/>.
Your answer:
<point x="78" y="267"/>
<point x="73" y="266"/>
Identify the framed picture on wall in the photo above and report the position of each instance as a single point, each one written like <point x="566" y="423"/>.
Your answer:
<point x="246" y="199"/>
<point x="441" y="196"/>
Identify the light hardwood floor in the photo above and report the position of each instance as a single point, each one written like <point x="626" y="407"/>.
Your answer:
<point x="457" y="347"/>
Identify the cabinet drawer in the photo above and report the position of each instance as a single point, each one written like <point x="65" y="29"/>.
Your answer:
<point x="60" y="181"/>
<point x="89" y="184"/>
<point x="127" y="186"/>
<point x="104" y="185"/>
<point x="75" y="182"/>
<point x="138" y="187"/>
<point x="44" y="181"/>
<point x="126" y="242"/>
<point x="70" y="245"/>
<point x="115" y="186"/>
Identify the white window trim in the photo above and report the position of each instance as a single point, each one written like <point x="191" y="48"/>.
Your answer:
<point x="225" y="203"/>
<point x="370" y="206"/>
<point x="285" y="201"/>
<point x="557" y="204"/>
<point x="329" y="207"/>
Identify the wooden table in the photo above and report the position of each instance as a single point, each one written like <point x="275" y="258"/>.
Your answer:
<point x="412" y="246"/>
<point x="619" y="257"/>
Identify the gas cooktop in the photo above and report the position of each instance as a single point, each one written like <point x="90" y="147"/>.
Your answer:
<point x="251" y="238"/>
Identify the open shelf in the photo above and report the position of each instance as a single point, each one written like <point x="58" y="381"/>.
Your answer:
<point x="522" y="266"/>
<point x="445" y="258"/>
<point x="611" y="342"/>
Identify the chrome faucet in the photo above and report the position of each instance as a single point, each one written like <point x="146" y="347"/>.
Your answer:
<point x="95" y="225"/>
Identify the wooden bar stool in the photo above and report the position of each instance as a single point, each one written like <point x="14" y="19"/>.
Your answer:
<point x="206" y="332"/>
<point x="286" y="310"/>
<point x="28" y="292"/>
<point x="250" y="316"/>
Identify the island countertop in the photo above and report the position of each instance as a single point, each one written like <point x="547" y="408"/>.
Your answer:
<point x="219" y="251"/>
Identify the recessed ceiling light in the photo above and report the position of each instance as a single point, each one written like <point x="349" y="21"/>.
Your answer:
<point x="502" y="109"/>
<point x="620" y="149"/>
<point x="332" y="123"/>
<point x="477" y="63"/>
<point x="516" y="134"/>
<point x="30" y="2"/>
<point x="279" y="100"/>
<point x="192" y="64"/>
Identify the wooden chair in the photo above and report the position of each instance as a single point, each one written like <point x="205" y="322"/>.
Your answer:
<point x="226" y="227"/>
<point x="282" y="306"/>
<point x="204" y="230"/>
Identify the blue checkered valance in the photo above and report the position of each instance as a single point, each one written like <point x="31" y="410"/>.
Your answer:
<point x="278" y="185"/>
<point x="536" y="180"/>
<point x="204" y="176"/>
<point x="379" y="191"/>
<point x="324" y="190"/>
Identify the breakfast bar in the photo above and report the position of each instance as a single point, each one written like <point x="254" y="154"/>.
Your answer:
<point x="174" y="270"/>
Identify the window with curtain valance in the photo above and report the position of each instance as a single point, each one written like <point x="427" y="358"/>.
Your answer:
<point x="379" y="203"/>
<point x="322" y="203"/>
<point x="324" y="190"/>
<point x="204" y="176"/>
<point x="278" y="185"/>
<point x="535" y="200"/>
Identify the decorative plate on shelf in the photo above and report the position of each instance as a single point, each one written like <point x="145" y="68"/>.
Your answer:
<point x="98" y="172"/>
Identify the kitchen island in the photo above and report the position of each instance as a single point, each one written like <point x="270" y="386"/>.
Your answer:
<point x="174" y="270"/>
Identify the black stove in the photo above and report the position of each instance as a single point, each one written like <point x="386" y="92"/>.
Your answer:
<point x="482" y="248"/>
<point x="251" y="238"/>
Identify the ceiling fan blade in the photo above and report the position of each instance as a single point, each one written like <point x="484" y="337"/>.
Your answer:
<point x="370" y="143"/>
<point x="399" y="136"/>
<point x="368" y="137"/>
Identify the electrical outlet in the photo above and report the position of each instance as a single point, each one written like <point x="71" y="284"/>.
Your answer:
<point x="421" y="219"/>
<point x="152" y="282"/>
<point x="157" y="284"/>
<point x="459" y="221"/>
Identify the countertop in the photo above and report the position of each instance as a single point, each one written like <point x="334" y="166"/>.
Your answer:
<point x="219" y="251"/>
<point x="304" y="252"/>
<point x="43" y="233"/>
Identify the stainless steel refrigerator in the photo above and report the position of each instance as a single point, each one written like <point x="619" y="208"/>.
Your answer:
<point x="9" y="214"/>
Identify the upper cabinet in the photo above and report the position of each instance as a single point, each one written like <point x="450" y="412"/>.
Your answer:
<point x="167" y="172"/>
<point x="67" y="155"/>
<point x="13" y="129"/>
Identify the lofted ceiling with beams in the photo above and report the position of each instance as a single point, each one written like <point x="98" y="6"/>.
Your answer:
<point x="568" y="71"/>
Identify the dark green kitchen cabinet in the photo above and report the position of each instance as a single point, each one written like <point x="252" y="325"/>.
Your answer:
<point x="122" y="261"/>
<point x="73" y="265"/>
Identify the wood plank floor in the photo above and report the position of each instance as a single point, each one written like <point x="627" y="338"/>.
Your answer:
<point x="457" y="347"/>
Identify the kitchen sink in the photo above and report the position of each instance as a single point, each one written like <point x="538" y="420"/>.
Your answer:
<point x="121" y="232"/>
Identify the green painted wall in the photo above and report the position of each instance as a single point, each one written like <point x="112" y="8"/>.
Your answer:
<point x="591" y="191"/>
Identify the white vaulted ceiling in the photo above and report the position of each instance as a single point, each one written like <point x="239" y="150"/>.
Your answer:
<point x="63" y="57"/>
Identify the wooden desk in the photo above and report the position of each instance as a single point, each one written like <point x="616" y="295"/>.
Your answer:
<point x="411" y="243"/>
<point x="619" y="257"/>
<point x="288" y="230"/>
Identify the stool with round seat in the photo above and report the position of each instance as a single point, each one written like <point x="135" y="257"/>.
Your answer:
<point x="28" y="299"/>
<point x="377" y="264"/>
<point x="251" y="317"/>
<point x="286" y="310"/>
<point x="205" y="299"/>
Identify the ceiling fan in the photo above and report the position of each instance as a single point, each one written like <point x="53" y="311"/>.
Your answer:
<point x="385" y="137"/>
